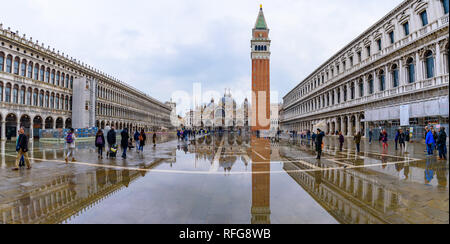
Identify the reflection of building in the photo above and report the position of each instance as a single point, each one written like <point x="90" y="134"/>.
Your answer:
<point x="401" y="60"/>
<point x="275" y="110"/>
<point x="65" y="196"/>
<point x="36" y="91"/>
<point x="260" y="154"/>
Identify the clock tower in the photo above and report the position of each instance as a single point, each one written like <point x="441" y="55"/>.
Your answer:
<point x="260" y="55"/>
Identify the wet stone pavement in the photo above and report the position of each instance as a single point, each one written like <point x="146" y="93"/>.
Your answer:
<point x="226" y="179"/>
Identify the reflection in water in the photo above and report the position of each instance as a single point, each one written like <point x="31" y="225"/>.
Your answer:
<point x="260" y="181"/>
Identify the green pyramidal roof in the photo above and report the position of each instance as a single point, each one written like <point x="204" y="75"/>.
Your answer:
<point x="261" y="21"/>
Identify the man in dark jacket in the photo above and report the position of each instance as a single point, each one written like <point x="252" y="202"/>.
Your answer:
<point x="111" y="138"/>
<point x="136" y="139"/>
<point x="124" y="142"/>
<point x="318" y="142"/>
<point x="341" y="141"/>
<point x="357" y="139"/>
<point x="22" y="149"/>
<point x="442" y="144"/>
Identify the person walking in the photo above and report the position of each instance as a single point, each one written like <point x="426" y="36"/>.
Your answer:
<point x="313" y="137"/>
<point x="341" y="141"/>
<point x="396" y="139"/>
<point x="22" y="150"/>
<point x="435" y="136"/>
<point x="318" y="142"/>
<point x="154" y="139"/>
<point x="429" y="141"/>
<point x="384" y="140"/>
<point x="111" y="139"/>
<point x="370" y="136"/>
<point x="357" y="140"/>
<point x="124" y="142"/>
<point x="100" y="143"/>
<point x="407" y="139"/>
<point x="70" y="142"/>
<point x="401" y="139"/>
<point x="142" y="139"/>
<point x="442" y="144"/>
<point x="136" y="139"/>
<point x="22" y="160"/>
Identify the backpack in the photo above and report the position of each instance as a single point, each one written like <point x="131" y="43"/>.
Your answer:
<point x="99" y="141"/>
<point x="141" y="138"/>
<point x="69" y="138"/>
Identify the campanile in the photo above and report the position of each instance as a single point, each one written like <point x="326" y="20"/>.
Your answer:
<point x="260" y="55"/>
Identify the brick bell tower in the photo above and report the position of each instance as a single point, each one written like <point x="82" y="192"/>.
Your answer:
<point x="260" y="54"/>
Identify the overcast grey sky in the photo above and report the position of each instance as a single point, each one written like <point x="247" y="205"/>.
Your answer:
<point x="163" y="46"/>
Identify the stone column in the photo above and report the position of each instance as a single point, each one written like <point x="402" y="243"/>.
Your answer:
<point x="3" y="130"/>
<point x="358" y="123"/>
<point x="365" y="85"/>
<point x="342" y="125"/>
<point x="387" y="78"/>
<point x="31" y="130"/>
<point x="376" y="83"/>
<point x="349" y="125"/>
<point x="349" y="90"/>
<point x="438" y="60"/>
<point x="401" y="75"/>
<point x="342" y="94"/>
<point x="418" y="67"/>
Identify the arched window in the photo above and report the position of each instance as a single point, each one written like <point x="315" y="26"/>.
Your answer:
<point x="71" y="81"/>
<point x="361" y="88"/>
<point x="445" y="6"/>
<point x="52" y="77"/>
<point x="42" y="73"/>
<point x="67" y="81"/>
<point x="35" y="97"/>
<point x="382" y="81"/>
<point x="62" y="79"/>
<point x="429" y="61"/>
<point x="352" y="91"/>
<point x="394" y="75"/>
<point x="29" y="91"/>
<point x="47" y="75"/>
<point x="8" y="93"/>
<point x="338" y="95"/>
<point x="16" y="94"/>
<point x="1" y="91"/>
<point x="57" y="102"/>
<point x="23" y="68"/>
<point x="47" y="97"/>
<point x="36" y="71"/>
<point x="52" y="100"/>
<point x="41" y="99"/>
<point x="9" y="64"/>
<point x="67" y="103"/>
<point x="57" y="78"/>
<point x="22" y="95"/>
<point x="16" y="65"/>
<point x="2" y="61"/>
<point x="370" y="84"/>
<point x="30" y="70"/>
<point x="411" y="70"/>
<point x="345" y="93"/>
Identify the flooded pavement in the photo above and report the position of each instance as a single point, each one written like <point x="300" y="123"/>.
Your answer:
<point x="228" y="179"/>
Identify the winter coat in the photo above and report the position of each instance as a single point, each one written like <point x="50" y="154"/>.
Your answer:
<point x="103" y="141"/>
<point x="22" y="143"/>
<point x="442" y="138"/>
<point x="341" y="139"/>
<point x="357" y="139"/>
<point x="111" y="137"/>
<point x="142" y="142"/>
<point x="430" y="138"/>
<point x="319" y="140"/>
<point x="384" y="137"/>
<point x="136" y="136"/>
<point x="401" y="138"/>
<point x="125" y="137"/>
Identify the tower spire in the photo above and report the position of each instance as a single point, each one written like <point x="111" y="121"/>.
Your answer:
<point x="261" y="23"/>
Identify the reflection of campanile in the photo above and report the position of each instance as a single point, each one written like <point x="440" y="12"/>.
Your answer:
<point x="260" y="152"/>
<point x="260" y="75"/>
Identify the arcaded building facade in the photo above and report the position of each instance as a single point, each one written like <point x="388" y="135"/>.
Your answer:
<point x="394" y="74"/>
<point x="36" y="91"/>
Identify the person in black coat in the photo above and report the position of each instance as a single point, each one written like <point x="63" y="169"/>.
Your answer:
<point x="22" y="149"/>
<point x="319" y="140"/>
<point x="100" y="143"/>
<point x="442" y="144"/>
<point x="124" y="142"/>
<point x="111" y="139"/>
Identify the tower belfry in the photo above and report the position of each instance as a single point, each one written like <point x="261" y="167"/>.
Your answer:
<point x="260" y="55"/>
